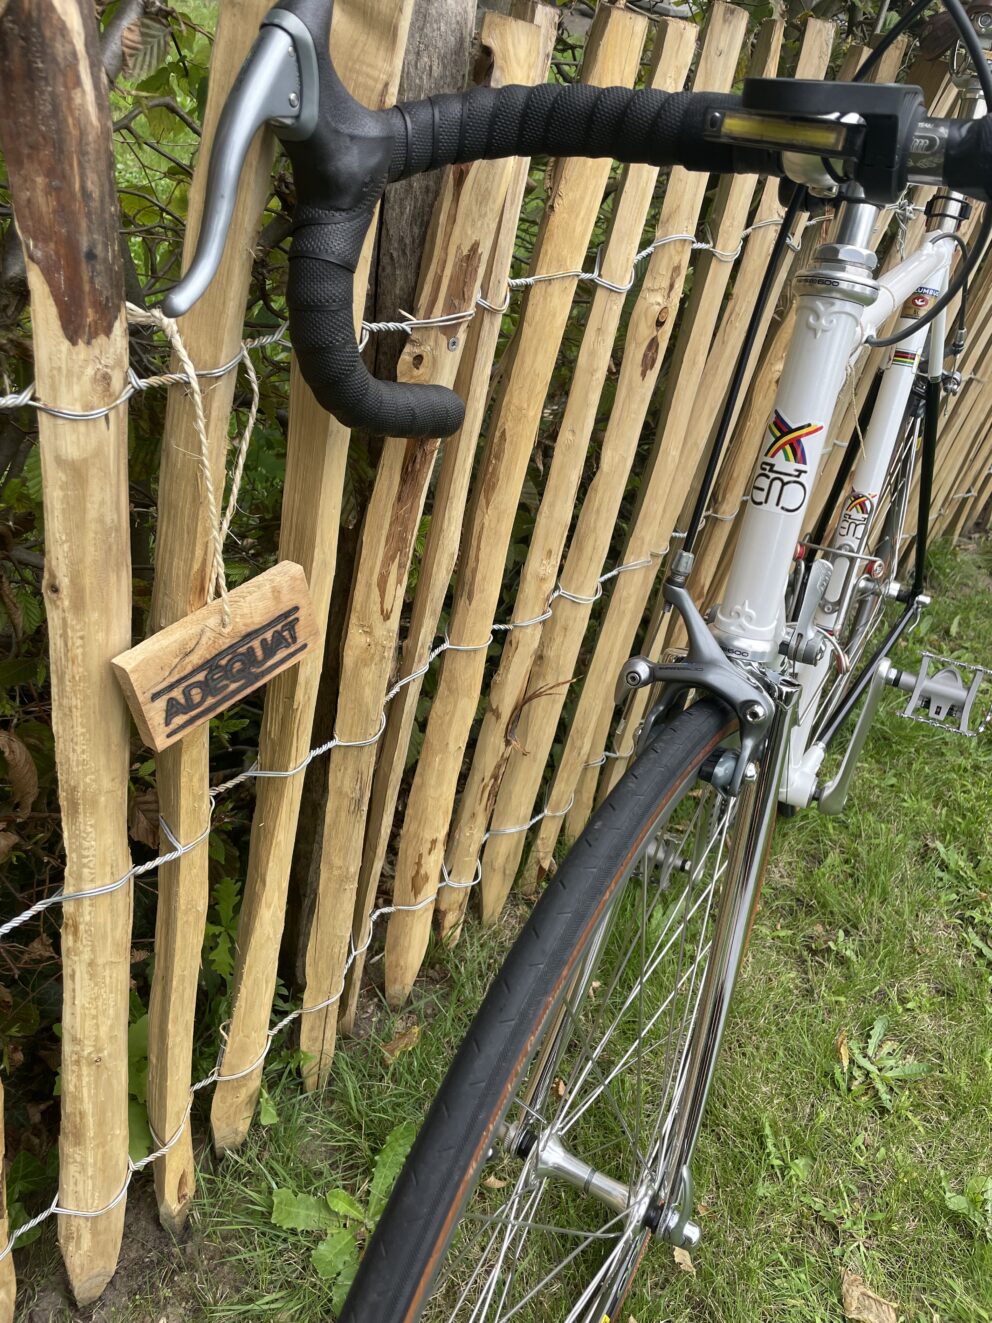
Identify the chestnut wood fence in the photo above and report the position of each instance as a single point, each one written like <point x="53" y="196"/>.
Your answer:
<point x="521" y="735"/>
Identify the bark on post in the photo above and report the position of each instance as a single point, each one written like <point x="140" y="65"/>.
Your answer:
<point x="55" y="135"/>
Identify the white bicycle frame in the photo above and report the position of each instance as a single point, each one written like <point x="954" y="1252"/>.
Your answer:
<point x="840" y="307"/>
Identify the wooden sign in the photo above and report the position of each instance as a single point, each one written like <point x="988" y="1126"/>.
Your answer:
<point x="192" y="670"/>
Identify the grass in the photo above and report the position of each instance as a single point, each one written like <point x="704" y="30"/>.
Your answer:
<point x="849" y="1125"/>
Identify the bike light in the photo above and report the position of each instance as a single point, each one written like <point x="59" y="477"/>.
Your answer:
<point x="784" y="133"/>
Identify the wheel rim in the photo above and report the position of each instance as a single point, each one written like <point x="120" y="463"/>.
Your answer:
<point x="600" y="1096"/>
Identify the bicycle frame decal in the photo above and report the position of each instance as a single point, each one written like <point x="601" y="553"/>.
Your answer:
<point x="830" y="330"/>
<point x="904" y="358"/>
<point x="856" y="514"/>
<point x="781" y="480"/>
<point x="919" y="303"/>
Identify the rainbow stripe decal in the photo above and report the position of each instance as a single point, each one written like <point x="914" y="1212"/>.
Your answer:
<point x="860" y="505"/>
<point x="787" y="440"/>
<point x="905" y="358"/>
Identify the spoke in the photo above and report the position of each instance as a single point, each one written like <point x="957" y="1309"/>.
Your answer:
<point x="550" y="1277"/>
<point x="620" y="1045"/>
<point x="625" y="1060"/>
<point x="565" y="1113"/>
<point x="725" y="816"/>
<point x="550" y="1227"/>
<point x="648" y="971"/>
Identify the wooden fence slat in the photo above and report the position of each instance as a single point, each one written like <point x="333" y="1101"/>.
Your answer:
<point x="719" y="532"/>
<point x="959" y="429"/>
<point x="56" y="137"/>
<point x="671" y="58"/>
<point x="612" y="56"/>
<point x="981" y="480"/>
<point x="465" y="225"/>
<point x="955" y="461"/>
<point x="725" y="30"/>
<point x="212" y="332"/>
<point x="8" y="1277"/>
<point x="448" y="508"/>
<point x="650" y="325"/>
<point x="673" y="451"/>
<point x="316" y="459"/>
<point x="625" y="611"/>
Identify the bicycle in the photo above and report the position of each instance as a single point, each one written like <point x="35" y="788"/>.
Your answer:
<point x="588" y="1043"/>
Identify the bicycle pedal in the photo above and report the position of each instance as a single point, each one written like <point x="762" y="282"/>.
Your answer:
<point x="947" y="694"/>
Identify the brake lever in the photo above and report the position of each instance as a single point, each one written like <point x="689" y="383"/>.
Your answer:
<point x="278" y="86"/>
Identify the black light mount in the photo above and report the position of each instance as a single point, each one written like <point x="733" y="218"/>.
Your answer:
<point x="862" y="129"/>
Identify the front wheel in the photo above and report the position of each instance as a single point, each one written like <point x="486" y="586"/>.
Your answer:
<point x="548" y="1159"/>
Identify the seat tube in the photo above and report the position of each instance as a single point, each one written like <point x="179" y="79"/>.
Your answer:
<point x="832" y="295"/>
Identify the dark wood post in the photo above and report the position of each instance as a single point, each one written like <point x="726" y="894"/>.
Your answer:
<point x="56" y="138"/>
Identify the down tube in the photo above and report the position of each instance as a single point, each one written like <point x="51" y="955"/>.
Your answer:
<point x="750" y="622"/>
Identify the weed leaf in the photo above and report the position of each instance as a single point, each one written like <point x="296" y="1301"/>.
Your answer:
<point x="267" y="1113"/>
<point x="302" y="1212"/>
<point x="341" y="1202"/>
<point x="334" y="1253"/>
<point x="387" y="1166"/>
<point x="878" y="1032"/>
<point x="139" y="1135"/>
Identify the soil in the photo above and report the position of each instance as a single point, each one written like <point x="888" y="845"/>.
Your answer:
<point x="158" y="1279"/>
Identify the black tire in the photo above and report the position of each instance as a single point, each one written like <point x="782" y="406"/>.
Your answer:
<point x="444" y="1167"/>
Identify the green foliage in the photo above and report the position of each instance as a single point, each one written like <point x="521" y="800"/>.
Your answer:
<point x="778" y="1150"/>
<point x="387" y="1167"/>
<point x="341" y="1216"/>
<point x="973" y="1206"/>
<point x="28" y="1179"/>
<point x="878" y="1068"/>
<point x="221" y="929"/>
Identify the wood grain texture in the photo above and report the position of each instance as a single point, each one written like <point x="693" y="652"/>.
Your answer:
<point x="212" y="331"/>
<point x="651" y="322"/>
<point x="612" y="57"/>
<point x="312" y="494"/>
<point x="649" y="537"/>
<point x="461" y="235"/>
<point x="195" y="669"/>
<point x="675" y="456"/>
<point x="673" y="51"/>
<point x="55" y="134"/>
<point x="447" y="513"/>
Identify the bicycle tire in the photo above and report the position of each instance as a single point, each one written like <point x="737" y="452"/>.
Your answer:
<point x="523" y="1011"/>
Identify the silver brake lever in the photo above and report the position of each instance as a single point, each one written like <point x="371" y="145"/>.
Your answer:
<point x="277" y="85"/>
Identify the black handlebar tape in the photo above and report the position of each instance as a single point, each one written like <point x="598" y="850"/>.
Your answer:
<point x="968" y="158"/>
<point x="647" y="127"/>
<point x="342" y="168"/>
<point x="340" y="173"/>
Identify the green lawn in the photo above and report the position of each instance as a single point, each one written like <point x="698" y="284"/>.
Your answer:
<point x="872" y="949"/>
